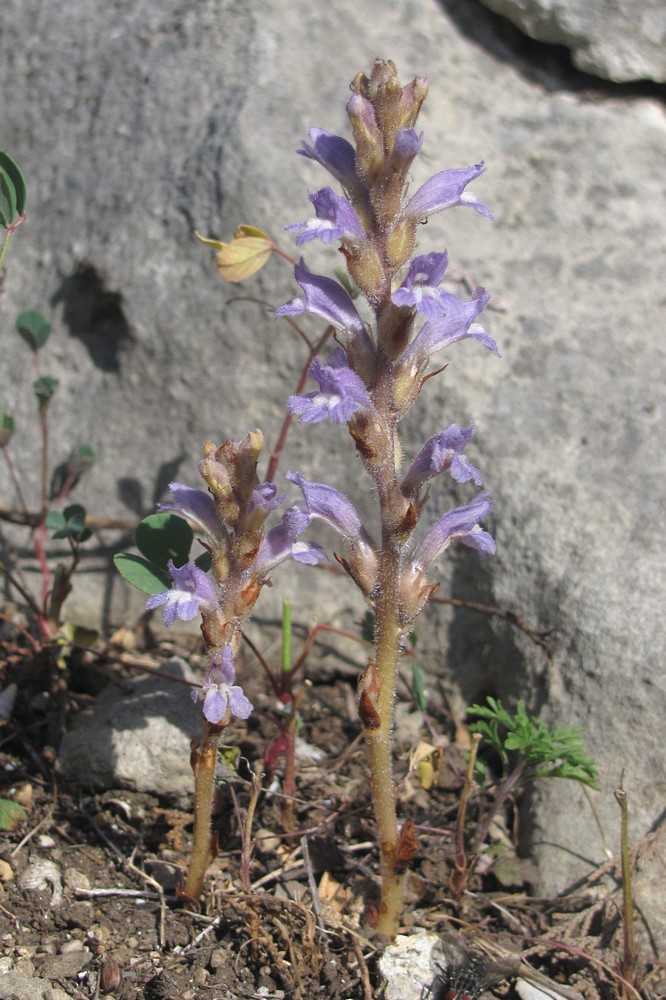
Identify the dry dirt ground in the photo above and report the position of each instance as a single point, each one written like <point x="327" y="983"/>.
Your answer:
<point x="88" y="900"/>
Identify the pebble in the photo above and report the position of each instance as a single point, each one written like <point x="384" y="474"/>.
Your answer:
<point x="76" y="879"/>
<point x="6" y="871"/>
<point x="71" y="946"/>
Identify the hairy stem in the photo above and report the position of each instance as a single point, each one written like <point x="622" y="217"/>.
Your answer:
<point x="204" y="759"/>
<point x="380" y="744"/>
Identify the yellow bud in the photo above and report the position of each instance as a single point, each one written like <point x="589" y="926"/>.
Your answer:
<point x="246" y="254"/>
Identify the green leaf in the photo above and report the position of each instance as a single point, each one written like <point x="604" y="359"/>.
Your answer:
<point x="8" y="200"/>
<point x="55" y="520"/>
<point x="204" y="561"/>
<point x="82" y="458"/>
<point x="7" y="427"/>
<point x="161" y="537"/>
<point x="142" y="574"/>
<point x="44" y="389"/>
<point x="11" y="814"/>
<point x="71" y="523"/>
<point x="543" y="752"/>
<point x="34" y="328"/>
<point x="10" y="170"/>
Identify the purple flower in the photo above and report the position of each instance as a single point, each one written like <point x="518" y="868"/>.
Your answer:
<point x="455" y="322"/>
<point x="441" y="453"/>
<point x="330" y="505"/>
<point x="194" y="505"/>
<point x="336" y="220"/>
<point x="265" y="497"/>
<point x="461" y="523"/>
<point x="326" y="298"/>
<point x="192" y="589"/>
<point x="407" y="144"/>
<point x="281" y="543"/>
<point x="332" y="152"/>
<point x="420" y="286"/>
<point x="445" y="190"/>
<point x="219" y="693"/>
<point x="341" y="392"/>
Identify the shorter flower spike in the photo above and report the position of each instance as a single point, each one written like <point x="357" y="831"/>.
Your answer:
<point x="192" y="590"/>
<point x="218" y="692"/>
<point x="341" y="393"/>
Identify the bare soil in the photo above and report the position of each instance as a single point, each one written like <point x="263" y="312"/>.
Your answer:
<point x="88" y="881"/>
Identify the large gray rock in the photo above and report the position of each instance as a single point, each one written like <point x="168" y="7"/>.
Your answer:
<point x="136" y="126"/>
<point x="617" y="41"/>
<point x="137" y="739"/>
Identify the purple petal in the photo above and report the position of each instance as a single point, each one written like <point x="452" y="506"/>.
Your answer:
<point x="332" y="152"/>
<point x="281" y="543"/>
<point x="325" y="298"/>
<point x="241" y="706"/>
<point x="420" y="288"/>
<point x="222" y="670"/>
<point x="330" y="505"/>
<point x="461" y="523"/>
<point x="265" y="497"/>
<point x="454" y="322"/>
<point x="341" y="393"/>
<point x="192" y="588"/>
<point x="441" y="453"/>
<point x="407" y="143"/>
<point x="215" y="704"/>
<point x="445" y="190"/>
<point x="336" y="220"/>
<point x="190" y="578"/>
<point x="197" y="506"/>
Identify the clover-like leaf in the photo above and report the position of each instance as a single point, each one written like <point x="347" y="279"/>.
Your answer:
<point x="13" y="190"/>
<point x="34" y="328"/>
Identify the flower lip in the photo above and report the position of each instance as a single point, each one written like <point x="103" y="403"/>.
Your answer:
<point x="332" y="152"/>
<point x="194" y="505"/>
<point x="341" y="393"/>
<point x="456" y="321"/>
<point x="192" y="592"/>
<point x="445" y="190"/>
<point x="332" y="506"/>
<point x="461" y="523"/>
<point x="219" y="693"/>
<point x="326" y="298"/>
<point x="336" y="219"/>
<point x="442" y="452"/>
